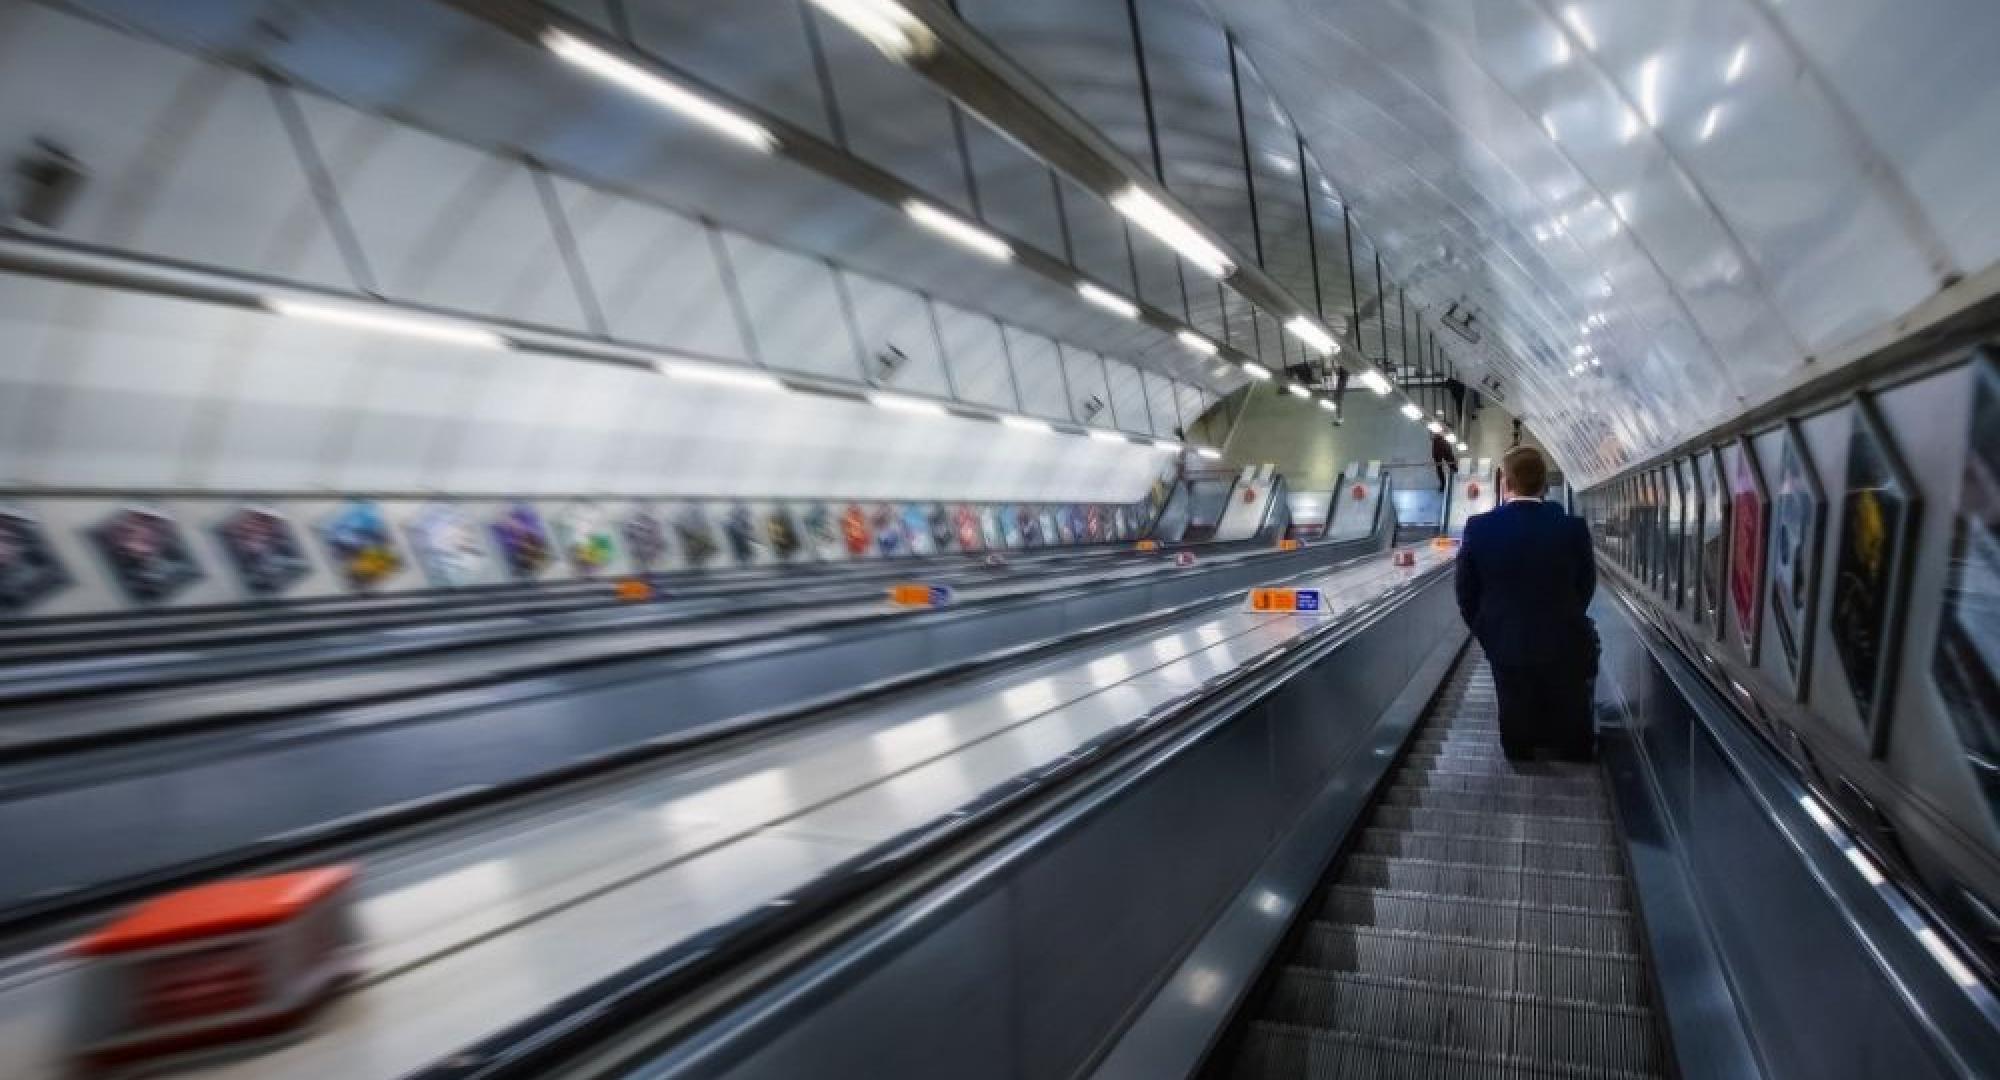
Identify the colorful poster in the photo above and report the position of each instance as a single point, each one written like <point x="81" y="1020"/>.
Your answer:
<point x="916" y="530"/>
<point x="523" y="541"/>
<point x="447" y="546"/>
<point x="1049" y="532"/>
<point x="266" y="551"/>
<point x="1096" y="524"/>
<point x="148" y="556"/>
<point x="1795" y="535"/>
<point x="1966" y="665"/>
<point x="1746" y="547"/>
<point x="990" y="528"/>
<point x="739" y="528"/>
<point x="888" y="527"/>
<point x="30" y="569"/>
<point x="943" y="537"/>
<point x="695" y="536"/>
<point x="1027" y="531"/>
<point x="1065" y="531"/>
<point x="363" y="547"/>
<point x="645" y="540"/>
<point x="822" y="532"/>
<point x="1714" y="546"/>
<point x="966" y="521"/>
<point x="1121" y="523"/>
<point x="854" y="530"/>
<point x="584" y="532"/>
<point x="782" y="533"/>
<point x="1878" y="512"/>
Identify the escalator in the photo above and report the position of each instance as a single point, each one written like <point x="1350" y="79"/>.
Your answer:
<point x="1480" y="923"/>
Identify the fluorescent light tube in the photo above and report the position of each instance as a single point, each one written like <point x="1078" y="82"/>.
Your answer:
<point x="1297" y="390"/>
<point x="1312" y="334"/>
<point x="1108" y="300"/>
<point x="1411" y="411"/>
<point x="1328" y="405"/>
<point x="1153" y="216"/>
<point x="959" y="230"/>
<point x="389" y="321"/>
<point x="720" y="376"/>
<point x="1208" y="452"/>
<point x="906" y="404"/>
<point x="1028" y="423"/>
<point x="1102" y="435"/>
<point x="658" y="90"/>
<point x="1436" y="428"/>
<point x="884" y="24"/>
<point x="1255" y="371"/>
<point x="1196" y="342"/>
<point x="1166" y="444"/>
<point x="1378" y="382"/>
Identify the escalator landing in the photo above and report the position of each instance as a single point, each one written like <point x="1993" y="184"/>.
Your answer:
<point x="1479" y="925"/>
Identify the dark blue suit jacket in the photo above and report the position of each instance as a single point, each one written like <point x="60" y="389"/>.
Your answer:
<point x="1525" y="577"/>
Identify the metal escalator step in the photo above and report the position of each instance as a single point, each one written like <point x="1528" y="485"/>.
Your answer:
<point x="1530" y="1030"/>
<point x="1490" y="920"/>
<point x="1540" y="971"/>
<point x="1401" y="794"/>
<point x="1487" y="851"/>
<point x="1538" y="784"/>
<point x="1594" y="892"/>
<point x="1578" y="830"/>
<point x="1287" y="1050"/>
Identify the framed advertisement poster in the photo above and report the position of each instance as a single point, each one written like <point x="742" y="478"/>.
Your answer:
<point x="854" y="531"/>
<point x="363" y="547"/>
<point x="1748" y="506"/>
<point x="739" y="528"/>
<point x="146" y="553"/>
<point x="917" y="529"/>
<point x="1713" y="564"/>
<point x="965" y="521"/>
<point x="265" y="550"/>
<point x="30" y="569"/>
<point x="523" y="541"/>
<point x="447" y="546"/>
<point x="990" y="529"/>
<point x="1880" y="506"/>
<point x="694" y="535"/>
<point x="887" y="524"/>
<point x="1965" y="668"/>
<point x="781" y="532"/>
<point x="1798" y="510"/>
<point x="585" y="535"/>
<point x="822" y="532"/>
<point x="645" y="540"/>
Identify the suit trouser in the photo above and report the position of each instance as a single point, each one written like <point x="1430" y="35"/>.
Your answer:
<point x="1545" y="705"/>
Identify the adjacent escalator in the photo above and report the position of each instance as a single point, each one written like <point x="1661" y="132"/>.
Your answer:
<point x="1479" y="923"/>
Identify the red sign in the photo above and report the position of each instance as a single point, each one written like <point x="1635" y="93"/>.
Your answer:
<point x="203" y="983"/>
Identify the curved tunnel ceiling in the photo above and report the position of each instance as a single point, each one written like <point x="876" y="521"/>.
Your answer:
<point x="1703" y="195"/>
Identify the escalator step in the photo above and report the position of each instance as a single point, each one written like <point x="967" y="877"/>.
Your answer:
<point x="1568" y="787"/>
<point x="1530" y="1030"/>
<point x="1399" y="794"/>
<point x="1487" y="851"/>
<point x="1594" y="892"/>
<point x="1285" y="1050"/>
<point x="1491" y="920"/>
<point x="1580" y="830"/>
<point x="1543" y="971"/>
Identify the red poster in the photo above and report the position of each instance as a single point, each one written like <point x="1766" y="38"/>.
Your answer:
<point x="1746" y="547"/>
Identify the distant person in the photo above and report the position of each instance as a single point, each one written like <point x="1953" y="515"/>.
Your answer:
<point x="1525" y="578"/>
<point x="1444" y="458"/>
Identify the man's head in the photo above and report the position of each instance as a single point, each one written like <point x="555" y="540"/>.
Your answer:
<point x="1525" y="471"/>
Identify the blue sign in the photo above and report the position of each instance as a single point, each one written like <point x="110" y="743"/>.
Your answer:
<point x="940" y="595"/>
<point x="1306" y="600"/>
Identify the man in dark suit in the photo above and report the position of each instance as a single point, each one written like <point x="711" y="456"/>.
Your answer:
<point x="1525" y="578"/>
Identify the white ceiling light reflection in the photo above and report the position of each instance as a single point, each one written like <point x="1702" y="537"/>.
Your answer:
<point x="756" y="797"/>
<point x="914" y="740"/>
<point x="1561" y="51"/>
<point x="1110" y="669"/>
<point x="1628" y="124"/>
<point x="1573" y="15"/>
<point x="1549" y="125"/>
<point x="1708" y="123"/>
<point x="1739" y="61"/>
<point x="1209" y="633"/>
<point x="1035" y="695"/>
<point x="1649" y="89"/>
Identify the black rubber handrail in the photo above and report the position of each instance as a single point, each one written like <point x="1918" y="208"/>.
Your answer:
<point x="535" y="1046"/>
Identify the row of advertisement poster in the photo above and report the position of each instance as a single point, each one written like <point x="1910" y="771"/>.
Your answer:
<point x="1742" y="556"/>
<point x="147" y="552"/>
